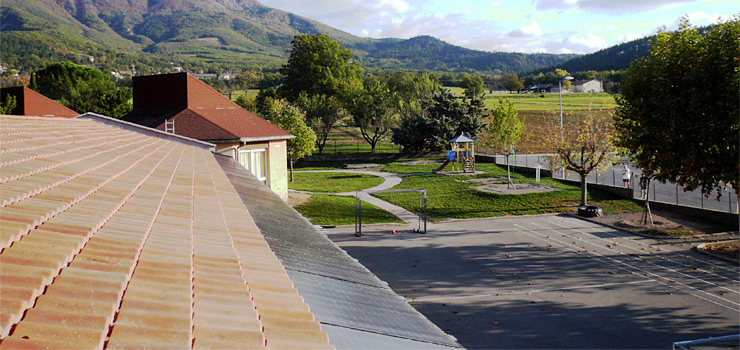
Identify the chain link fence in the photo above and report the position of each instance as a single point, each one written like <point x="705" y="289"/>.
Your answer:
<point x="660" y="192"/>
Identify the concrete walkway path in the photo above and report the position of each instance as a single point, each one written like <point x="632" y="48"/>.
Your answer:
<point x="390" y="180"/>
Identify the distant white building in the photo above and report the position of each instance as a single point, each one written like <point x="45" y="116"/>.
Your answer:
<point x="592" y="85"/>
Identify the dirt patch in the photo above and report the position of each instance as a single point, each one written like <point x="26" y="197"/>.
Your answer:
<point x="666" y="224"/>
<point x="297" y="198"/>
<point x="498" y="185"/>
<point x="726" y="249"/>
<point x="363" y="166"/>
<point x="422" y="162"/>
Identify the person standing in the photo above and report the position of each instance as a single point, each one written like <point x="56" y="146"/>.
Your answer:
<point x="626" y="174"/>
<point x="643" y="186"/>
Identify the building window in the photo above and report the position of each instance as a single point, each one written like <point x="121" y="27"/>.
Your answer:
<point x="255" y="160"/>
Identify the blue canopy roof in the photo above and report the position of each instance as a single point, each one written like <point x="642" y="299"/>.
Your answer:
<point x="462" y="139"/>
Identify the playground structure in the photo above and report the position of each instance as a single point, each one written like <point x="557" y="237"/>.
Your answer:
<point x="422" y="210"/>
<point x="463" y="152"/>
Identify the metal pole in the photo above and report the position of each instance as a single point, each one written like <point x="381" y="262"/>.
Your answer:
<point x="676" y="194"/>
<point x="425" y="211"/>
<point x="655" y="199"/>
<point x="560" y="94"/>
<point x="419" y="221"/>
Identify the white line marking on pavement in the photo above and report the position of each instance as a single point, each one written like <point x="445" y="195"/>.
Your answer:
<point x="707" y="262"/>
<point x="659" y="278"/>
<point x="484" y="295"/>
<point x="642" y="260"/>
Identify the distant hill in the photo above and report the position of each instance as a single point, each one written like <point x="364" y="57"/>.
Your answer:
<point x="427" y="52"/>
<point x="154" y="35"/>
<point x="617" y="57"/>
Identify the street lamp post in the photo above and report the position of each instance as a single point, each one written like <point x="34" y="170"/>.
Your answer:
<point x="560" y="92"/>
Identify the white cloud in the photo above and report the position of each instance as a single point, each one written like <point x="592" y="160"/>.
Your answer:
<point x="590" y="41"/>
<point x="702" y="18"/>
<point x="629" y="37"/>
<point x="398" y="5"/>
<point x="606" y="5"/>
<point x="557" y="26"/>
<point x="532" y="29"/>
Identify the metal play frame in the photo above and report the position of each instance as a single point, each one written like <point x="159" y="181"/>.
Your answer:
<point x="422" y="209"/>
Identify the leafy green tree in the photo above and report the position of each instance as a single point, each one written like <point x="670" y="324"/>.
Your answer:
<point x="291" y="119"/>
<point x="410" y="90"/>
<point x="264" y="100"/>
<point x="372" y="111"/>
<point x="511" y="82"/>
<point x="582" y="146"/>
<point x="247" y="103"/>
<point x="322" y="112"/>
<point x="443" y="117"/>
<point x="7" y="105"/>
<point x="678" y="113"/>
<point x="560" y="74"/>
<point x="83" y="89"/>
<point x="318" y="65"/>
<point x="473" y="86"/>
<point x="505" y="129"/>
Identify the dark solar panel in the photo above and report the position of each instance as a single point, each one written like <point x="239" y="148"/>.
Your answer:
<point x="377" y="310"/>
<point x="357" y="308"/>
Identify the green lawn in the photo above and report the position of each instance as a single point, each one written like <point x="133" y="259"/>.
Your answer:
<point x="333" y="182"/>
<point x="338" y="210"/>
<point x="451" y="197"/>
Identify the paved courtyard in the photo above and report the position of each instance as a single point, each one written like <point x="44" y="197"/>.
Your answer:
<point x="552" y="282"/>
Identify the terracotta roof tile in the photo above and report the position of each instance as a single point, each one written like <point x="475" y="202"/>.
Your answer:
<point x="29" y="102"/>
<point x="144" y="240"/>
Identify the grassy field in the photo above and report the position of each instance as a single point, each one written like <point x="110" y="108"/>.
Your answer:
<point x="549" y="102"/>
<point x="333" y="182"/>
<point x="337" y="210"/>
<point x="452" y="197"/>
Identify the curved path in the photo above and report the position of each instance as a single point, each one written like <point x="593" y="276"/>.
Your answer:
<point x="390" y="180"/>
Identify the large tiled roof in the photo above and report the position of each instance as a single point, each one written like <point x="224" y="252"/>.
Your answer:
<point x="29" y="102"/>
<point x="198" y="110"/>
<point x="355" y="308"/>
<point x="111" y="238"/>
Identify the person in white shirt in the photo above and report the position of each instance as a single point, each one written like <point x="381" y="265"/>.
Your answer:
<point x="626" y="174"/>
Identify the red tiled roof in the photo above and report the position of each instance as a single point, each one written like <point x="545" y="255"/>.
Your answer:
<point x="29" y="102"/>
<point x="113" y="239"/>
<point x="200" y="111"/>
<point x="224" y="124"/>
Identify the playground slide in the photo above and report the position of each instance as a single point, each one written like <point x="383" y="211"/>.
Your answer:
<point x="442" y="166"/>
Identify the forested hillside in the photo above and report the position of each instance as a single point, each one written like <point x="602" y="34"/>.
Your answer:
<point x="209" y="35"/>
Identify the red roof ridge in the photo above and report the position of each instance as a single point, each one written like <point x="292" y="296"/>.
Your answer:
<point x="146" y="130"/>
<point x="29" y="102"/>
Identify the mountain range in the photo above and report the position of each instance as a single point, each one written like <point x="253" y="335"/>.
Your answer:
<point x="211" y="35"/>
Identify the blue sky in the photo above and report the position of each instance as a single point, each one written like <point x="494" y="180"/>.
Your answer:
<point x="552" y="26"/>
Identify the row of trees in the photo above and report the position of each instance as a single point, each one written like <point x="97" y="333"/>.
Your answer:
<point x="322" y="79"/>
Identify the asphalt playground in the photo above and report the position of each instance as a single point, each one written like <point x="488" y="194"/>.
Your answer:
<point x="552" y="282"/>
